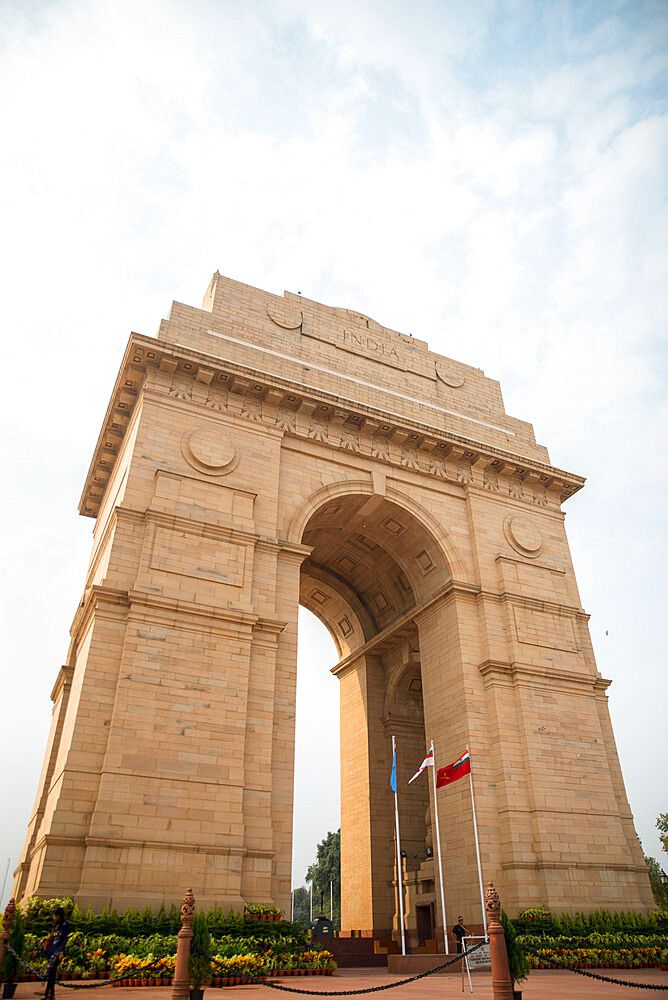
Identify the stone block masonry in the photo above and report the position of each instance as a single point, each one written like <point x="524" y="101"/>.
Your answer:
<point x="268" y="451"/>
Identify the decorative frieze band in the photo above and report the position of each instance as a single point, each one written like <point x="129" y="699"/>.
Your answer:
<point x="299" y="410"/>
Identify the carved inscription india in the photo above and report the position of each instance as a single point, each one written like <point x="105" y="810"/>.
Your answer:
<point x="358" y="341"/>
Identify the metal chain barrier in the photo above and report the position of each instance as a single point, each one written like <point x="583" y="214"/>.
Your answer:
<point x="82" y="986"/>
<point x="351" y="993"/>
<point x="609" y="979"/>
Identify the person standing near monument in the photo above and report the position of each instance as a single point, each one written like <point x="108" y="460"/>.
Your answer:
<point x="54" y="949"/>
<point x="460" y="930"/>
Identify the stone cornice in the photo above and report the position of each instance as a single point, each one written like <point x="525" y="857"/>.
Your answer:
<point x="373" y="431"/>
<point x="155" y="845"/>
<point x="539" y="603"/>
<point x="165" y="610"/>
<point x="512" y="671"/>
<point x="596" y="866"/>
<point x="214" y="529"/>
<point x="269" y="626"/>
<point x="196" y="617"/>
<point x="95" y="597"/>
<point x="124" y="397"/>
<point x="198" y="526"/>
<point x="63" y="680"/>
<point x="401" y="722"/>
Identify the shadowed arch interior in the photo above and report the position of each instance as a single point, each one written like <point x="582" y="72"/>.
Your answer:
<point x="371" y="562"/>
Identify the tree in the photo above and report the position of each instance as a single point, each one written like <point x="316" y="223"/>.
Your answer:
<point x="326" y="870"/>
<point x="658" y="891"/>
<point x="662" y="826"/>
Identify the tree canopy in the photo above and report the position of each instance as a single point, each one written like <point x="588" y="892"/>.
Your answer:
<point x="326" y="869"/>
<point x="658" y="890"/>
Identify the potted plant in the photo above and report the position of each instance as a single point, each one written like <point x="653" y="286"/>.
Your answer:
<point x="10" y="965"/>
<point x="199" y="963"/>
<point x="517" y="960"/>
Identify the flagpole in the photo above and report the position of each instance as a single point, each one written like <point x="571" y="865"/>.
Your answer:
<point x="399" y="871"/>
<point x="438" y="848"/>
<point x="477" y="846"/>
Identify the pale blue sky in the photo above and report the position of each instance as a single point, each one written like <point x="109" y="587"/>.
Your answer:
<point x="490" y="177"/>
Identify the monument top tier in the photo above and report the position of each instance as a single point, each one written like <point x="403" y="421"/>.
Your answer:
<point x="294" y="353"/>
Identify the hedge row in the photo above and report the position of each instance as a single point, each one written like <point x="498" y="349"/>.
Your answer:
<point x="136" y="924"/>
<point x="541" y="922"/>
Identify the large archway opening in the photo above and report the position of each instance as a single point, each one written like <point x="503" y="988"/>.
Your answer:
<point x="373" y="565"/>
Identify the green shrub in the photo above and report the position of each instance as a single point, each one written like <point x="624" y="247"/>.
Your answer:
<point x="517" y="961"/>
<point x="174" y="919"/>
<point x="10" y="964"/>
<point x="199" y="963"/>
<point x="162" y="921"/>
<point x="148" y="921"/>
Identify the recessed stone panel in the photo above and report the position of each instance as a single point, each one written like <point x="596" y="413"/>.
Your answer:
<point x="424" y="561"/>
<point x="544" y="628"/>
<point x="190" y="554"/>
<point x="345" y="627"/>
<point x="380" y="601"/>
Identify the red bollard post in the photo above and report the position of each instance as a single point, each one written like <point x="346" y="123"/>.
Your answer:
<point x="502" y="985"/>
<point x="7" y="921"/>
<point x="181" y="981"/>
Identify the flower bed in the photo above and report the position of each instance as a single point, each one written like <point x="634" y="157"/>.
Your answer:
<point x="597" y="958"/>
<point x="141" y="951"/>
<point x="594" y="941"/>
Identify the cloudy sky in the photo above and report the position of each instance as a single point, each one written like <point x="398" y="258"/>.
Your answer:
<point x="488" y="176"/>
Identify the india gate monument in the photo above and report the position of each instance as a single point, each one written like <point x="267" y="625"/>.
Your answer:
<point x="268" y="451"/>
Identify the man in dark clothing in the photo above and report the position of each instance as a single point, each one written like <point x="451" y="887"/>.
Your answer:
<point x="460" y="930"/>
<point x="53" y="949"/>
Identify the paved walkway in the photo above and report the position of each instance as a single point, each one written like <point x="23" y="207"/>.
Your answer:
<point x="541" y="985"/>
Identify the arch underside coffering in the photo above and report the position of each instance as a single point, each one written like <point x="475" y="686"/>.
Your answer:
<point x="371" y="563"/>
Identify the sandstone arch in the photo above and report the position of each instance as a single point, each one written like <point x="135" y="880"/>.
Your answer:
<point x="172" y="742"/>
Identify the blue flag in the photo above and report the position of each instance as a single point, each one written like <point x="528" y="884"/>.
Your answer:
<point x="393" y="776"/>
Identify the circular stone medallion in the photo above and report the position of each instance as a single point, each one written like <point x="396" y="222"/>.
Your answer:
<point x="209" y="450"/>
<point x="449" y="378"/>
<point x="523" y="535"/>
<point x="283" y="315"/>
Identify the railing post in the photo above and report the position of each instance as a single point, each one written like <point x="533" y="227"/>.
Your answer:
<point x="502" y="986"/>
<point x="181" y="981"/>
<point x="7" y="921"/>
